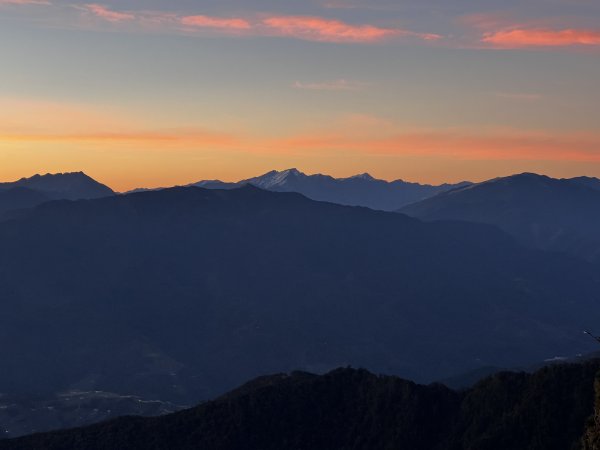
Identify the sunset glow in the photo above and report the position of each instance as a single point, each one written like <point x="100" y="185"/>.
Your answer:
<point x="173" y="93"/>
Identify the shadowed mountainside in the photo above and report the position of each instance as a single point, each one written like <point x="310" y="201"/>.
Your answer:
<point x="160" y="294"/>
<point x="20" y="198"/>
<point x="63" y="186"/>
<point x="22" y="415"/>
<point x="30" y="192"/>
<point x="558" y="215"/>
<point x="353" y="409"/>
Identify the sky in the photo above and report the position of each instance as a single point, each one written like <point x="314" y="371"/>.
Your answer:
<point x="163" y="92"/>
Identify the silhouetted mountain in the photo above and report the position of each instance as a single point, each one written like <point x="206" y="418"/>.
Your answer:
<point x="20" y="197"/>
<point x="22" y="415"/>
<point x="558" y="215"/>
<point x="216" y="184"/>
<point x="591" y="438"/>
<point x="591" y="182"/>
<point x="353" y="409"/>
<point x="470" y="378"/>
<point x="62" y="186"/>
<point x="359" y="190"/>
<point x="160" y="294"/>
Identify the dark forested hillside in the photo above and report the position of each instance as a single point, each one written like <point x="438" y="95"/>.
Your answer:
<point x="160" y="294"/>
<point x="353" y="409"/>
<point x="547" y="213"/>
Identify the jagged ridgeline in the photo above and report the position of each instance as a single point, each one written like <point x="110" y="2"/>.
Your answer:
<point x="182" y="294"/>
<point x="354" y="409"/>
<point x="591" y="438"/>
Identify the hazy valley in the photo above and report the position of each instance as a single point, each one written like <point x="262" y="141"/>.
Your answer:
<point x="151" y="298"/>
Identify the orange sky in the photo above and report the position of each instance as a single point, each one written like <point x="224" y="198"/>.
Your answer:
<point x="138" y="97"/>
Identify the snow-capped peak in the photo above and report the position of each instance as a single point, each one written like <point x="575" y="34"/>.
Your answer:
<point x="362" y="176"/>
<point x="275" y="178"/>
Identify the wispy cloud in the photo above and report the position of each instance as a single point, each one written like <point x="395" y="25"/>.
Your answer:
<point x="503" y="31"/>
<point x="493" y="145"/>
<point x="540" y="37"/>
<point x="337" y="85"/>
<point x="370" y="5"/>
<point x="169" y="138"/>
<point x="216" y="22"/>
<point x="81" y="127"/>
<point x="25" y="2"/>
<point x="309" y="28"/>
<point x="105" y="13"/>
<point x="328" y="30"/>
<point x="340" y="4"/>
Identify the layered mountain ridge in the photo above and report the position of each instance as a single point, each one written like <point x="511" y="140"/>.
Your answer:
<point x="354" y="409"/>
<point x="266" y="282"/>
<point x="33" y="191"/>
<point x="358" y="190"/>
<point x="156" y="295"/>
<point x="552" y="214"/>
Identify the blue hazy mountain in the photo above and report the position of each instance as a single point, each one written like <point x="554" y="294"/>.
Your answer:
<point x="359" y="190"/>
<point x="552" y="214"/>
<point x="28" y="192"/>
<point x="180" y="294"/>
<point x="67" y="186"/>
<point x="20" y="197"/>
<point x="591" y="182"/>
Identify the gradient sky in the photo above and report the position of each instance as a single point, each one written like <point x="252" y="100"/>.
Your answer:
<point x="157" y="92"/>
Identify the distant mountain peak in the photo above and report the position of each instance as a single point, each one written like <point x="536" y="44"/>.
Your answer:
<point x="292" y="171"/>
<point x="529" y="175"/>
<point x="547" y="213"/>
<point x="359" y="190"/>
<point x="275" y="179"/>
<point x="67" y="185"/>
<point x="363" y="176"/>
<point x="79" y="174"/>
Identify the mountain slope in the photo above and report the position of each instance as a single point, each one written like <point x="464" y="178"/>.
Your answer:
<point x="590" y="182"/>
<point x="19" y="198"/>
<point x="559" y="215"/>
<point x="62" y="186"/>
<point x="160" y="294"/>
<point x="23" y="415"/>
<point x="353" y="409"/>
<point x="359" y="190"/>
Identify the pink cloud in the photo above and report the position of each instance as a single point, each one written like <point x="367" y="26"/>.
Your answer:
<point x="488" y="21"/>
<point x="318" y="29"/>
<point x="504" y="31"/>
<point x="327" y="30"/>
<point x="541" y="37"/>
<point x="215" y="22"/>
<point x="24" y="2"/>
<point x="107" y="14"/>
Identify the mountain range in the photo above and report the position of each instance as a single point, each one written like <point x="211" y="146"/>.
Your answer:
<point x="552" y="214"/>
<point x="359" y="190"/>
<point x="21" y="415"/>
<point x="153" y="297"/>
<point x="159" y="294"/>
<point x="30" y="192"/>
<point x="354" y="409"/>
